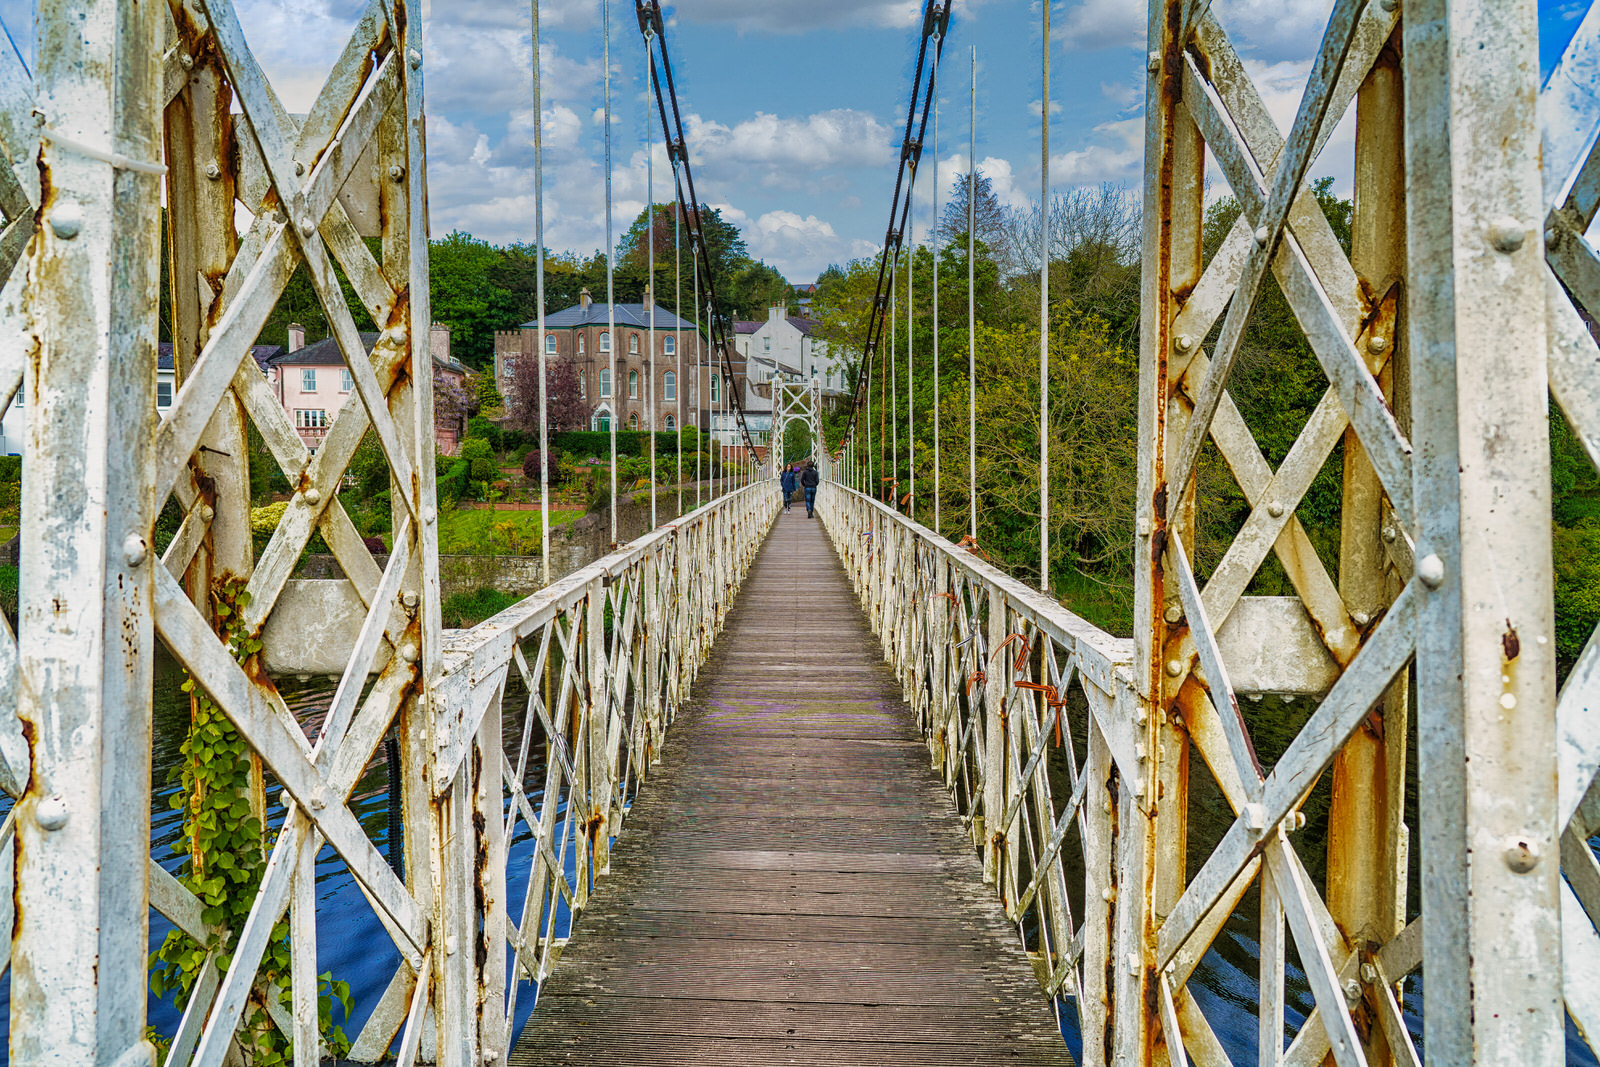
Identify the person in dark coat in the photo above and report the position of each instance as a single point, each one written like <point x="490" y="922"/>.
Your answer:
<point x="810" y="479"/>
<point x="788" y="483"/>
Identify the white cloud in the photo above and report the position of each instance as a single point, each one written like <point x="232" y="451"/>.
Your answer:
<point x="1268" y="29"/>
<point x="801" y="247"/>
<point x="771" y="16"/>
<point x="1118" y="158"/>
<point x="783" y="147"/>
<point x="1104" y="24"/>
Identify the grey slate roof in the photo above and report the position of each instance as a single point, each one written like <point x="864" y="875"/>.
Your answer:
<point x="745" y="326"/>
<point x="263" y="354"/>
<point x="595" y="315"/>
<point x="325" y="353"/>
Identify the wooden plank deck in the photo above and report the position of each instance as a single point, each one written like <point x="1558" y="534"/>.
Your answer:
<point x="793" y="885"/>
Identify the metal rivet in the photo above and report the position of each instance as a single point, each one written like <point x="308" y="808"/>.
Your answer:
<point x="1377" y="343"/>
<point x="1183" y="342"/>
<point x="1140" y="752"/>
<point x="1360" y="618"/>
<point x="1261" y="236"/>
<point x="450" y="945"/>
<point x="1552" y="236"/>
<point x="313" y="497"/>
<point x="1369" y="974"/>
<point x="1275" y="509"/>
<point x="415" y="58"/>
<point x="428" y="515"/>
<point x="1390" y="5"/>
<point x="1152" y="62"/>
<point x="1522" y="857"/>
<point x="308" y="226"/>
<point x="1299" y="820"/>
<point x="415" y="962"/>
<point x="213" y="171"/>
<point x="186" y="61"/>
<point x="318" y="801"/>
<point x="1174" y="667"/>
<point x="66" y="219"/>
<point x="1430" y="569"/>
<point x="1108" y="894"/>
<point x="408" y="653"/>
<point x="52" y="813"/>
<point x="1133" y="963"/>
<point x="285" y="799"/>
<point x="207" y="512"/>
<point x="409" y="599"/>
<point x="299" y="167"/>
<point x="134" y="550"/>
<point x="1389" y="534"/>
<point x="397" y="172"/>
<point x="1144" y="526"/>
<point x="1352" y="992"/>
<point x="1508" y="700"/>
<point x="1507" y="234"/>
<point x="1141" y="716"/>
<point x="1255" y="816"/>
<point x="1174" y="613"/>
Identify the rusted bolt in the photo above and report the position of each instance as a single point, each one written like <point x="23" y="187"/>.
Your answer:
<point x="1360" y="618"/>
<point x="134" y="550"/>
<point x="1183" y="342"/>
<point x="1377" y="343"/>
<point x="415" y="59"/>
<point x="1430" y="569"/>
<point x="409" y="599"/>
<point x="1261" y="236"/>
<point x="213" y="171"/>
<point x="1522" y="856"/>
<point x="66" y="219"/>
<point x="408" y="652"/>
<point x="1369" y="974"/>
<point x="299" y="167"/>
<point x="1507" y="234"/>
<point x="1174" y="667"/>
<point x="1152" y="62"/>
<point x="1352" y="992"/>
<point x="1389" y="534"/>
<point x="1275" y="509"/>
<point x="52" y="813"/>
<point x="397" y="173"/>
<point x="207" y="512"/>
<point x="1174" y="613"/>
<point x="186" y="61"/>
<point x="313" y="497"/>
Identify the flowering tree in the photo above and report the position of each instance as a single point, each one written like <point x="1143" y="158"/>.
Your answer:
<point x="565" y="408"/>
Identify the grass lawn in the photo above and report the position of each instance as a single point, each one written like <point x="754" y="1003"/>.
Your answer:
<point x="7" y="533"/>
<point x="465" y="532"/>
<point x="1109" y="607"/>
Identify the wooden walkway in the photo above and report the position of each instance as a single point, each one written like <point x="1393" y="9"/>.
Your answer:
<point x="793" y="885"/>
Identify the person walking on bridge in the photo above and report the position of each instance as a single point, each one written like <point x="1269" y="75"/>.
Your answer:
<point x="810" y="479"/>
<point x="788" y="484"/>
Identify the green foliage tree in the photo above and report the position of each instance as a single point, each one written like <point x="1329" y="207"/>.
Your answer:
<point x="479" y="457"/>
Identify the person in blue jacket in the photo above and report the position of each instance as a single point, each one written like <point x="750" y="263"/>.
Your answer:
<point x="809" y="480"/>
<point x="788" y="482"/>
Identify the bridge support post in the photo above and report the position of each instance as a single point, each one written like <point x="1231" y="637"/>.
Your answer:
<point x="1485" y="638"/>
<point x="86" y="593"/>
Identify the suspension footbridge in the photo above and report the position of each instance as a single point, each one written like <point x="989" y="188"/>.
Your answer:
<point x="751" y="774"/>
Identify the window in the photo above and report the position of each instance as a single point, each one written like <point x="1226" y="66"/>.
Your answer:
<point x="580" y="344"/>
<point x="602" y="421"/>
<point x="605" y="341"/>
<point x="813" y="370"/>
<point x="633" y="343"/>
<point x="671" y="423"/>
<point x="633" y="421"/>
<point x="347" y="383"/>
<point x="670" y="345"/>
<point x="310" y="419"/>
<point x="633" y="385"/>
<point x="308" y="379"/>
<point x="549" y="344"/>
<point x="669" y="386"/>
<point x="766" y="344"/>
<point x="716" y="389"/>
<point x="605" y="381"/>
<point x="583" y="384"/>
<point x="163" y="394"/>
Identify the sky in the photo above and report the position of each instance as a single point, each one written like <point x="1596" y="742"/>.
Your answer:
<point x="793" y="111"/>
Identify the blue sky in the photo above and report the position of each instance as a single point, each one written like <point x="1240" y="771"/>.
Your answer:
<point x="793" y="111"/>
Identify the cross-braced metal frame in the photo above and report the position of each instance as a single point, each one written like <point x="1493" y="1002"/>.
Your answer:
<point x="794" y="402"/>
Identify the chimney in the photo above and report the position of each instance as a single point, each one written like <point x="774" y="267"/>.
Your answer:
<point x="777" y="311"/>
<point x="439" y="341"/>
<point x="584" y="299"/>
<point x="297" y="337"/>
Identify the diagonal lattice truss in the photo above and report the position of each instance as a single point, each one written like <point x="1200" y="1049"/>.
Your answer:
<point x="1569" y="120"/>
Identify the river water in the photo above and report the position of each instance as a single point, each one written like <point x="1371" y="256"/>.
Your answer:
<point x="353" y="946"/>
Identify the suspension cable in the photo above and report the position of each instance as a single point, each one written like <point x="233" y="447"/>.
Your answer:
<point x="538" y="242"/>
<point x="1044" y="313"/>
<point x="911" y="344"/>
<point x="677" y="338"/>
<point x="650" y="269"/>
<point x="935" y="29"/>
<point x="933" y="83"/>
<point x="700" y="446"/>
<point x="611" y="274"/>
<point x="972" y="309"/>
<point x="665" y="92"/>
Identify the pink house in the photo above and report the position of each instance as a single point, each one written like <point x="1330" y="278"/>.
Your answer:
<point x="313" y="383"/>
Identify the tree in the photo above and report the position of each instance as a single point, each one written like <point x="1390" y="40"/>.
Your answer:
<point x="449" y="400"/>
<point x="752" y="288"/>
<point x="466" y="296"/>
<point x="564" y="408"/>
<point x="990" y="221"/>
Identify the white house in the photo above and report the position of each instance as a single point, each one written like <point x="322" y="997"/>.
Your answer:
<point x="786" y="346"/>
